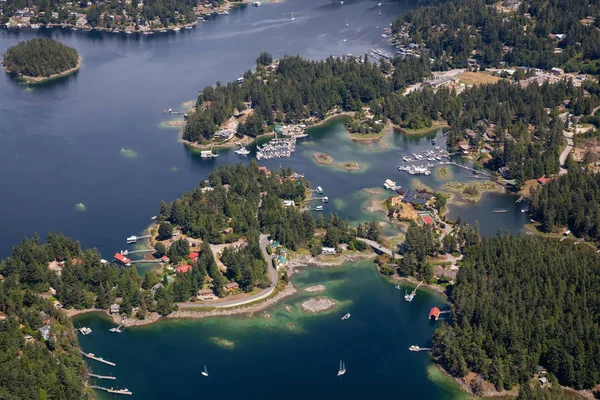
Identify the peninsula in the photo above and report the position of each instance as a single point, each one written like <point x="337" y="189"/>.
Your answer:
<point x="40" y="60"/>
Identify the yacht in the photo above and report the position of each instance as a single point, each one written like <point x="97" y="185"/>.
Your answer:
<point x="319" y="208"/>
<point x="208" y="153"/>
<point x="205" y="372"/>
<point x="243" y="151"/>
<point x="345" y="317"/>
<point x="342" y="369"/>
<point x="176" y="29"/>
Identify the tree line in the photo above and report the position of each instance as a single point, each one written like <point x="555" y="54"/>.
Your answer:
<point x="40" y="58"/>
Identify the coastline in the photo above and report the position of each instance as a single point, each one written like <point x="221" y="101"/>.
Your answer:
<point x="436" y="125"/>
<point x="35" y="80"/>
<point x="372" y="137"/>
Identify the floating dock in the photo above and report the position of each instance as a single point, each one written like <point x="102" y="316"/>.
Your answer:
<point x="102" y="376"/>
<point x="114" y="391"/>
<point x="92" y="356"/>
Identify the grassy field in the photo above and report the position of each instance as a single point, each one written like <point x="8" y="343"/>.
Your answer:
<point x="477" y="78"/>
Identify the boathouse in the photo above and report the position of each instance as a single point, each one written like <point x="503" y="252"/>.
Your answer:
<point x="434" y="313"/>
<point x="122" y="259"/>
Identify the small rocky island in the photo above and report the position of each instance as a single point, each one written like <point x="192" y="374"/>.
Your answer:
<point x="317" y="305"/>
<point x="38" y="60"/>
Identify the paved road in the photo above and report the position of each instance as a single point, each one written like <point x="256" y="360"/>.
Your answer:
<point x="273" y="277"/>
<point x="566" y="151"/>
<point x="376" y="246"/>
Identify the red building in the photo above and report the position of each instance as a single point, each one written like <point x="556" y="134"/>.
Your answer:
<point x="194" y="256"/>
<point x="543" y="180"/>
<point x="122" y="259"/>
<point x="434" y="313"/>
<point x="183" y="269"/>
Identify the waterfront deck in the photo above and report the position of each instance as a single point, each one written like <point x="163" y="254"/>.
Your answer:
<point x="113" y="391"/>
<point x="102" y="376"/>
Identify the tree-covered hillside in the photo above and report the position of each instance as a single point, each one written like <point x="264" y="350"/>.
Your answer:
<point x="520" y="302"/>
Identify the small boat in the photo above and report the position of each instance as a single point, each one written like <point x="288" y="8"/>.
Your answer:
<point x="342" y="369"/>
<point x="128" y="32"/>
<point x="205" y="372"/>
<point x="163" y="31"/>
<point x="347" y="23"/>
<point x="85" y="330"/>
<point x="319" y="208"/>
<point x="379" y="4"/>
<point x="189" y="27"/>
<point x="414" y="348"/>
<point x="293" y="18"/>
<point x="433" y="141"/>
<point x="398" y="287"/>
<point x="242" y="151"/>
<point x="500" y="211"/>
<point x="177" y="29"/>
<point x="257" y="4"/>
<point x="74" y="29"/>
<point x="342" y="2"/>
<point x="344" y="39"/>
<point x="35" y="26"/>
<point x="345" y="317"/>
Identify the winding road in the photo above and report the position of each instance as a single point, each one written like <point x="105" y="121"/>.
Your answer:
<point x="224" y="303"/>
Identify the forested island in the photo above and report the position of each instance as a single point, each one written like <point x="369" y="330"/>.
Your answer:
<point x="37" y="60"/>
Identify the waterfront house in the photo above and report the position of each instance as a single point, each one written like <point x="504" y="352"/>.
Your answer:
<point x="165" y="259"/>
<point x="122" y="259"/>
<point x="281" y="261"/>
<point x="289" y="203"/>
<point x="413" y="197"/>
<point x="194" y="256"/>
<point x="206" y="294"/>
<point x="230" y="287"/>
<point x="182" y="269"/>
<point x="327" y="250"/>
<point x="115" y="308"/>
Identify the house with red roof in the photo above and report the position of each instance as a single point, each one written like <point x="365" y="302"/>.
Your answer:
<point x="543" y="180"/>
<point x="182" y="269"/>
<point x="122" y="259"/>
<point x="194" y="256"/>
<point x="164" y="259"/>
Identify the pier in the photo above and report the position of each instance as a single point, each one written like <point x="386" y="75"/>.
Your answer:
<point x="102" y="376"/>
<point x="133" y="239"/>
<point x="111" y="390"/>
<point x="417" y="348"/>
<point x="410" y="297"/>
<point x="145" y="261"/>
<point x="92" y="356"/>
<point x="127" y="252"/>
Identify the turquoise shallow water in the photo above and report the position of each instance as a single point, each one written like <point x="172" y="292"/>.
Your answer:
<point x="290" y="354"/>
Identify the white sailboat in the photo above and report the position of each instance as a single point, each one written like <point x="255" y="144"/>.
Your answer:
<point x="347" y="23"/>
<point x="344" y="38"/>
<point x="205" y="372"/>
<point x="293" y="18"/>
<point x="342" y="370"/>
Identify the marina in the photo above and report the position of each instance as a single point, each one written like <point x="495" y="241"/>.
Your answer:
<point x="276" y="148"/>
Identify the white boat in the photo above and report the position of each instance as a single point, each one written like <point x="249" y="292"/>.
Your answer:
<point x="347" y="23"/>
<point x="163" y="31"/>
<point x="414" y="348"/>
<point x="319" y="190"/>
<point x="398" y="287"/>
<point x="344" y="39"/>
<point x="128" y="32"/>
<point x="345" y="317"/>
<point x="257" y="4"/>
<point x="35" y="26"/>
<point x="342" y="369"/>
<point x="85" y="330"/>
<point x="177" y="29"/>
<point x="243" y="151"/>
<point x="117" y="329"/>
<point x="293" y="18"/>
<point x="342" y="2"/>
<point x="319" y="208"/>
<point x="205" y="372"/>
<point x="208" y="153"/>
<point x="132" y="239"/>
<point x="189" y="27"/>
<point x="74" y="29"/>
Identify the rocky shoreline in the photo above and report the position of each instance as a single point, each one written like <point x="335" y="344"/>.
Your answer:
<point x="316" y="305"/>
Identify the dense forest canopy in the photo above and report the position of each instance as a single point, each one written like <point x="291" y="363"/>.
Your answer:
<point x="520" y="302"/>
<point x="456" y="31"/>
<point x="40" y="58"/>
<point x="570" y="200"/>
<point x="31" y="366"/>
